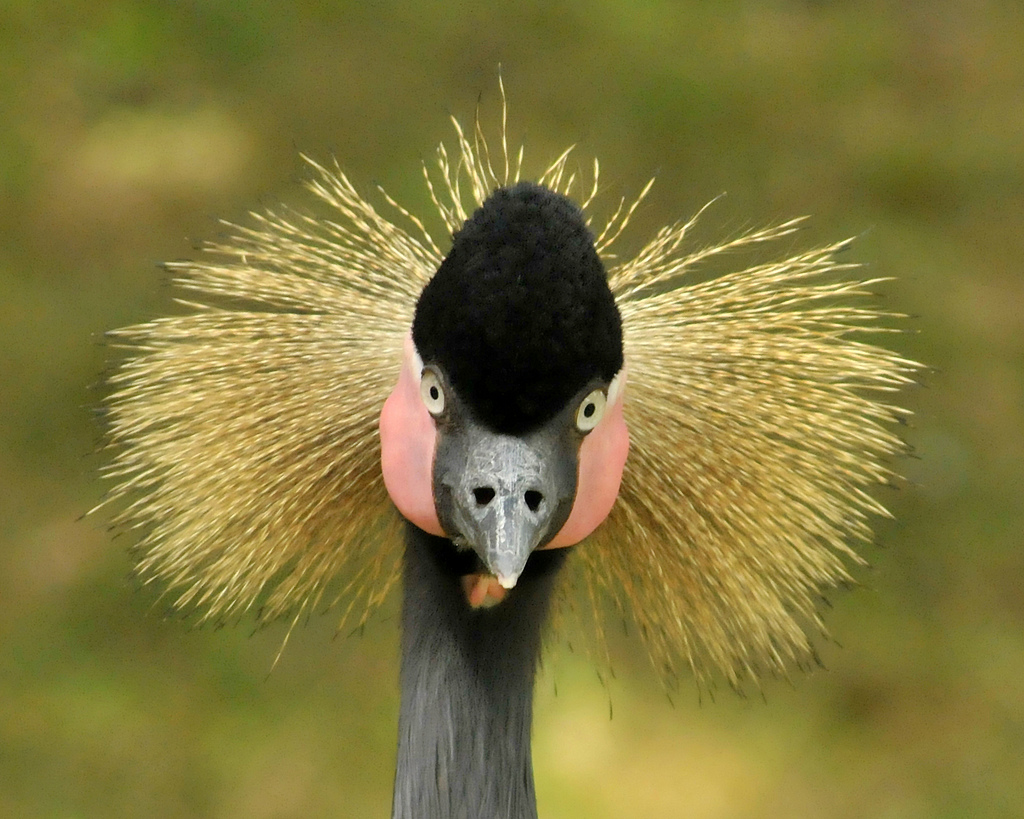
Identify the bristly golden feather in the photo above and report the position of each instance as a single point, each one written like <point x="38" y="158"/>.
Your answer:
<point x="247" y="451"/>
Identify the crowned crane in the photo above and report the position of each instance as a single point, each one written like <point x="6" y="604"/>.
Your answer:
<point x="338" y="368"/>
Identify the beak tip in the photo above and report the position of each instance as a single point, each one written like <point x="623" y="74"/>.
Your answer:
<point x="507" y="581"/>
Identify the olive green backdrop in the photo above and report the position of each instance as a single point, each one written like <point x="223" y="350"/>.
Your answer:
<point x="128" y="129"/>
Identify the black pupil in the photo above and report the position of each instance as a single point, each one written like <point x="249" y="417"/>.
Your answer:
<point x="434" y="393"/>
<point x="589" y="410"/>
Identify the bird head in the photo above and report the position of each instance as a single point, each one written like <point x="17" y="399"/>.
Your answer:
<point x="245" y="431"/>
<point x="505" y="432"/>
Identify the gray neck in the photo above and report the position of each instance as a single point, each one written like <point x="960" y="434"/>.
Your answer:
<point x="467" y="688"/>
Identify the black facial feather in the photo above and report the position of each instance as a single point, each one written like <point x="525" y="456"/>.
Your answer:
<point x="519" y="315"/>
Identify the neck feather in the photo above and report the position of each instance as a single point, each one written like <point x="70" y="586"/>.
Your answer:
<point x="467" y="688"/>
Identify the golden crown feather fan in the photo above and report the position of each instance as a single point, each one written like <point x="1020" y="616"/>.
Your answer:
<point x="247" y="437"/>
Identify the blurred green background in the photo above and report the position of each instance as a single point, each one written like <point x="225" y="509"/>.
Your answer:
<point x="129" y="128"/>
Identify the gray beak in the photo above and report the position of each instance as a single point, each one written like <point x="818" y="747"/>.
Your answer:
<point x="503" y="495"/>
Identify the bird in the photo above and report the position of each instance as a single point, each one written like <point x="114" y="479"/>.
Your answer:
<point x="511" y="423"/>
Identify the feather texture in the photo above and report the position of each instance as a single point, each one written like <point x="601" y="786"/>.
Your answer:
<point x="247" y="452"/>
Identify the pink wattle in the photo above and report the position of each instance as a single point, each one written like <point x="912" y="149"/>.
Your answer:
<point x="602" y="458"/>
<point x="408" y="438"/>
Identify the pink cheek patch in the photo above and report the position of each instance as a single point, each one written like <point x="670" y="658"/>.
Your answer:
<point x="602" y="458"/>
<point x="408" y="438"/>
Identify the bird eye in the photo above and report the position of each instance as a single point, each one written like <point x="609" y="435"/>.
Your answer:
<point x="432" y="393"/>
<point x="591" y="411"/>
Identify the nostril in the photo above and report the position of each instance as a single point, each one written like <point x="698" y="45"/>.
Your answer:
<point x="533" y="499"/>
<point x="484" y="495"/>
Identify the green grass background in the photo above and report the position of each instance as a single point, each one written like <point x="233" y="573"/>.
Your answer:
<point x="128" y="128"/>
